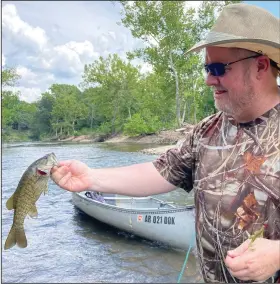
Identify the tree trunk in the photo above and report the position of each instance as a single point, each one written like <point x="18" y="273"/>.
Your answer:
<point x="184" y="113"/>
<point x="194" y="100"/>
<point x="91" y="119"/>
<point x="178" y="111"/>
<point x="194" y="111"/>
<point x="114" y="116"/>
<point x="73" y="126"/>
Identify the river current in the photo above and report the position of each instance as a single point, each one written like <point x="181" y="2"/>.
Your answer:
<point x="67" y="246"/>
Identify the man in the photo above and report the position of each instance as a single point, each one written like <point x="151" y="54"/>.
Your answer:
<point x="230" y="159"/>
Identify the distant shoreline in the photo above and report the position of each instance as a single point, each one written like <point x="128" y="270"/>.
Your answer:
<point x="162" y="141"/>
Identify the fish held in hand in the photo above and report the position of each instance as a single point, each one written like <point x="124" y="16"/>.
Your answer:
<point x="32" y="184"/>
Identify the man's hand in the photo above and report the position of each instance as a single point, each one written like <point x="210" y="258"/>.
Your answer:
<point x="258" y="264"/>
<point x="72" y="175"/>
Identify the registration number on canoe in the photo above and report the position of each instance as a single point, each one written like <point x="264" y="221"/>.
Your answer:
<point x="156" y="219"/>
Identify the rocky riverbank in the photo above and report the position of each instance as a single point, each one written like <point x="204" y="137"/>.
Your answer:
<point x="163" y="141"/>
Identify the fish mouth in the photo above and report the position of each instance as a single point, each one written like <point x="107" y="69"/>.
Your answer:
<point x="54" y="159"/>
<point x="46" y="164"/>
<point x="43" y="172"/>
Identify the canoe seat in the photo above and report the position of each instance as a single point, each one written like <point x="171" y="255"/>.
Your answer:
<point x="163" y="204"/>
<point x="95" y="195"/>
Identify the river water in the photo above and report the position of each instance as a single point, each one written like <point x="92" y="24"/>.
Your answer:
<point x="67" y="246"/>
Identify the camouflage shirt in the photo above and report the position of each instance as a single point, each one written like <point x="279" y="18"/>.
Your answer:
<point x="234" y="170"/>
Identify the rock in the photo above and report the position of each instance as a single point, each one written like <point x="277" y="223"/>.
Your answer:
<point x="80" y="138"/>
<point x="158" y="150"/>
<point x="67" y="139"/>
<point x="180" y="129"/>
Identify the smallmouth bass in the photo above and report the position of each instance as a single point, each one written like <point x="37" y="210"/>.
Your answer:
<point x="32" y="184"/>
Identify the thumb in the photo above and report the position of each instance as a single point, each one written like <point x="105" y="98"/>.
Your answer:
<point x="239" y="250"/>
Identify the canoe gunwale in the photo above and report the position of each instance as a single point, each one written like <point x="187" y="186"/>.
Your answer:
<point x="134" y="210"/>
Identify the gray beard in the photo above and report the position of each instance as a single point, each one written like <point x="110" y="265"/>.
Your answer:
<point x="244" y="103"/>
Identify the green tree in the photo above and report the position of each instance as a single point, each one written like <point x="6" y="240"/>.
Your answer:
<point x="162" y="25"/>
<point x="42" y="118"/>
<point x="94" y="115"/>
<point x="116" y="96"/>
<point x="168" y="29"/>
<point x="26" y="114"/>
<point x="67" y="108"/>
<point x="9" y="77"/>
<point x="10" y="100"/>
<point x="10" y="109"/>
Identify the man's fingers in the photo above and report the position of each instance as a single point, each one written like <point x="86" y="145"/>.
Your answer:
<point x="239" y="250"/>
<point x="64" y="180"/>
<point x="236" y="263"/>
<point x="66" y="163"/>
<point x="59" y="172"/>
<point x="247" y="274"/>
<point x="243" y="274"/>
<point x="60" y="164"/>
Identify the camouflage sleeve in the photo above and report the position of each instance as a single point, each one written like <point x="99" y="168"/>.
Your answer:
<point x="177" y="165"/>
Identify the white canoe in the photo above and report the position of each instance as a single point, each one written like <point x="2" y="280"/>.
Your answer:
<point x="147" y="217"/>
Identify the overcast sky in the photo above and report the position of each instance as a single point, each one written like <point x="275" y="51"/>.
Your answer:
<point x="51" y="41"/>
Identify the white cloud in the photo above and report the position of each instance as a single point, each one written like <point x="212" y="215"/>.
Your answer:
<point x="25" y="73"/>
<point x="18" y="28"/>
<point x="104" y="39"/>
<point x="30" y="94"/>
<point x="65" y="56"/>
<point x="112" y="35"/>
<point x="30" y="79"/>
<point x="66" y="60"/>
<point x="82" y="51"/>
<point x="3" y="60"/>
<point x="48" y="47"/>
<point x="27" y="94"/>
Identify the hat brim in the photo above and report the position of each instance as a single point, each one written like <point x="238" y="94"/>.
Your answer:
<point x="271" y="49"/>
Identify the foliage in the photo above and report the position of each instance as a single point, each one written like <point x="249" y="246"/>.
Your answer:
<point x="10" y="107"/>
<point x="139" y="125"/>
<point x="9" y="77"/>
<point x="168" y="30"/>
<point x="114" y="96"/>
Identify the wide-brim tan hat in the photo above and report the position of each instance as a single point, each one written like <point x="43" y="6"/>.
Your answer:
<point x="245" y="26"/>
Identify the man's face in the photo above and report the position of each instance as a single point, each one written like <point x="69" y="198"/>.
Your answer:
<point x="233" y="91"/>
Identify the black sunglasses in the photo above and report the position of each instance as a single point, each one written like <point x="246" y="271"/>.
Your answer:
<point x="219" y="69"/>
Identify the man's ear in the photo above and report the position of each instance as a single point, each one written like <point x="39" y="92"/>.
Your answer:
<point x="263" y="64"/>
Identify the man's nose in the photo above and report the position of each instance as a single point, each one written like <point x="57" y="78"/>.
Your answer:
<point x="211" y="80"/>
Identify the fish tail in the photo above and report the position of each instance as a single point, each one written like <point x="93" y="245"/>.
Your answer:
<point x="21" y="238"/>
<point x="16" y="236"/>
<point x="11" y="239"/>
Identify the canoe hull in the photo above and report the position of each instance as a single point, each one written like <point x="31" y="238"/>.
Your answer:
<point x="168" y="224"/>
